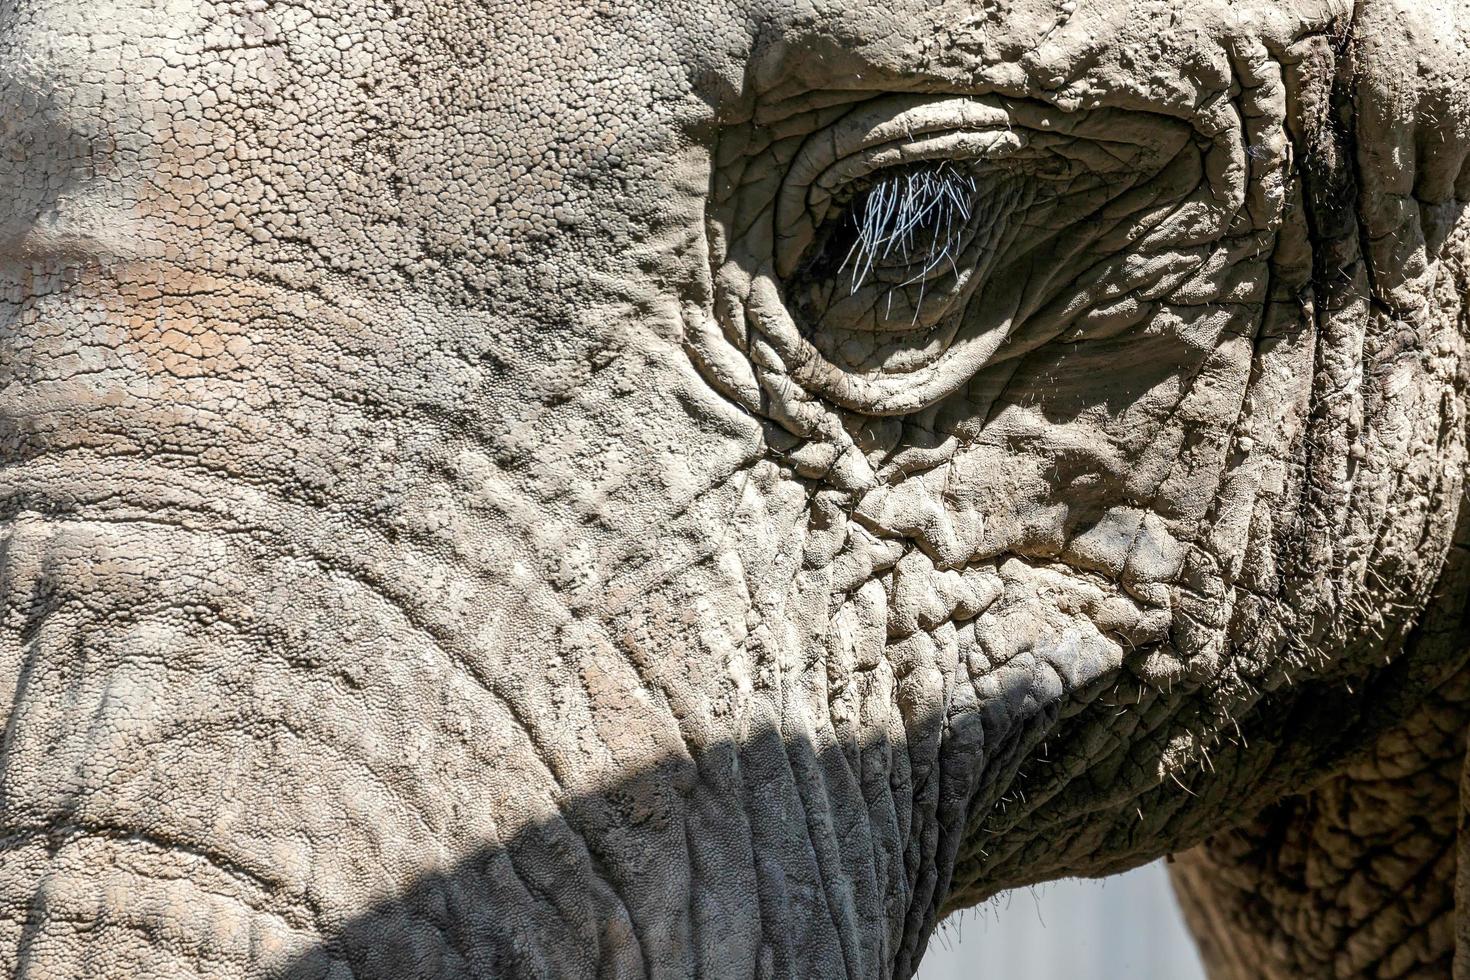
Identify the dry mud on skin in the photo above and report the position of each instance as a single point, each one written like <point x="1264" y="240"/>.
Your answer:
<point x="579" y="489"/>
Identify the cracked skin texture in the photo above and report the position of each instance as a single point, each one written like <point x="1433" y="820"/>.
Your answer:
<point x="462" y="519"/>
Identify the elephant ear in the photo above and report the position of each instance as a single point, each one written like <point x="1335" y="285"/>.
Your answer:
<point x="1383" y="119"/>
<point x="1411" y="60"/>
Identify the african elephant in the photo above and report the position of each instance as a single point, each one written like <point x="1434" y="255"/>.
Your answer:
<point x="623" y="488"/>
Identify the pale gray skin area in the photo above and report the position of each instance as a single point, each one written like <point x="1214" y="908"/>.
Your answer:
<point x="453" y="529"/>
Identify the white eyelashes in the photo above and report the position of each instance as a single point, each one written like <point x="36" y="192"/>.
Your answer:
<point x="913" y="216"/>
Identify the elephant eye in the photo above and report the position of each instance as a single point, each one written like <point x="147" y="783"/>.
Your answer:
<point x="910" y="240"/>
<point x="900" y="230"/>
<point x="897" y="254"/>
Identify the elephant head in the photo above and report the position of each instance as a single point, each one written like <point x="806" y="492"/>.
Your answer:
<point x="657" y="488"/>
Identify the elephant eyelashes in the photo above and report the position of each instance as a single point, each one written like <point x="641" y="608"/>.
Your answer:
<point x="897" y="241"/>
<point x="898" y="247"/>
<point x="913" y="218"/>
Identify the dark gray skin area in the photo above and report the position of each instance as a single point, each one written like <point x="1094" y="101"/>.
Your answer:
<point x="463" y="516"/>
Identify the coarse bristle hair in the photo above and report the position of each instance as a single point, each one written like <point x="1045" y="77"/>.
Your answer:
<point x="915" y="215"/>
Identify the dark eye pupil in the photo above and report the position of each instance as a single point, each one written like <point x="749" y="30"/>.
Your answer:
<point x="911" y="218"/>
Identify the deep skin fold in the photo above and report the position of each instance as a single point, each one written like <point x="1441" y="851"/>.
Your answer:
<point x="462" y="569"/>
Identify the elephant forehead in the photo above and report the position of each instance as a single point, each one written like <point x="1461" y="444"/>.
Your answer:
<point x="448" y="134"/>
<point x="1156" y="52"/>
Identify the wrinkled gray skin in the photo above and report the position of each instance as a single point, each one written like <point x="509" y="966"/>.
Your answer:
<point x="457" y="523"/>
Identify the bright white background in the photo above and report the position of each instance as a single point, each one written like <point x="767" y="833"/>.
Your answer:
<point x="1122" y="928"/>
